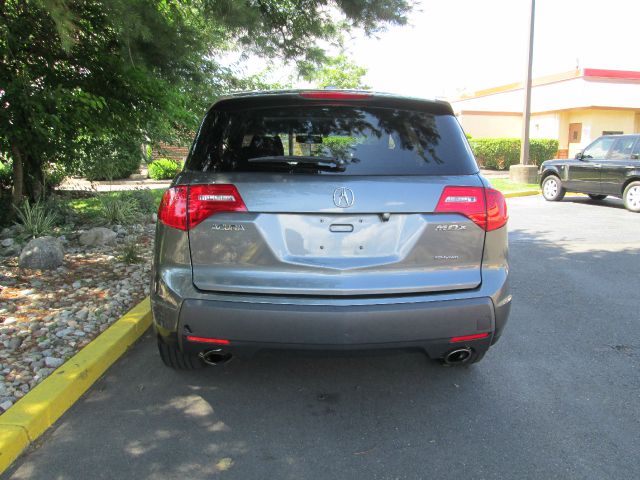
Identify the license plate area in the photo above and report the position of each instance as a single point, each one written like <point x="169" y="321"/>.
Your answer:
<point x="344" y="236"/>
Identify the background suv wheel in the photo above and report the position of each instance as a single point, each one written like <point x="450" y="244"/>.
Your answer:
<point x="552" y="189"/>
<point x="631" y="197"/>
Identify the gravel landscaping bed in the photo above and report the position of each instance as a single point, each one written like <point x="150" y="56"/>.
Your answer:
<point x="46" y="316"/>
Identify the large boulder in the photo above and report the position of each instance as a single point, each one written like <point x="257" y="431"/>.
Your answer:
<point x="98" y="236"/>
<point x="44" y="253"/>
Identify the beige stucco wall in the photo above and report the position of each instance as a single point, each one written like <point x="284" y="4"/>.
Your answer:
<point x="553" y="125"/>
<point x="596" y="121"/>
<point x="492" y="125"/>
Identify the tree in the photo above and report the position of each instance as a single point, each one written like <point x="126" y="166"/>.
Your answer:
<point x="339" y="72"/>
<point x="78" y="74"/>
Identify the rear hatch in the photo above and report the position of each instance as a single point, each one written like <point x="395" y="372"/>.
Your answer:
<point x="335" y="199"/>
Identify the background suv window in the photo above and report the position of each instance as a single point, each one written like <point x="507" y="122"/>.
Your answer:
<point x="599" y="148"/>
<point x="621" y="149"/>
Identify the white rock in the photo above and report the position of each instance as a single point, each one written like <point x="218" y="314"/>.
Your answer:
<point x="6" y="405"/>
<point x="44" y="253"/>
<point x="98" y="236"/>
<point x="7" y="242"/>
<point x="53" y="362"/>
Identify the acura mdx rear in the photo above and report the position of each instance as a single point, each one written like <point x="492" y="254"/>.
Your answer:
<point x="329" y="220"/>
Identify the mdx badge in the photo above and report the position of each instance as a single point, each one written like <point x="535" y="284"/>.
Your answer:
<point x="450" y="227"/>
<point x="228" y="227"/>
<point x="343" y="197"/>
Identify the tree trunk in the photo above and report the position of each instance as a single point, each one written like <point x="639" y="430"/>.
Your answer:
<point x="33" y="178"/>
<point x="18" y="176"/>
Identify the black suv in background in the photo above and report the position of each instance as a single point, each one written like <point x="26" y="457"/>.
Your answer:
<point x="608" y="166"/>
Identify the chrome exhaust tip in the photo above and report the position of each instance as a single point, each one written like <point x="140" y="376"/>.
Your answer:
<point x="215" y="357"/>
<point x="458" y="356"/>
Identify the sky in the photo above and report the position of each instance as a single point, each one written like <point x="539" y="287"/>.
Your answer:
<point x="452" y="46"/>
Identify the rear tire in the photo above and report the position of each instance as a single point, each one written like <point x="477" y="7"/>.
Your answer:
<point x="631" y="197"/>
<point x="597" y="197"/>
<point x="552" y="189"/>
<point x="172" y="357"/>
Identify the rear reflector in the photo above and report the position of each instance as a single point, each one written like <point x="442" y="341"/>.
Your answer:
<point x="466" y="338"/>
<point x="185" y="207"/>
<point x="218" y="341"/>
<point x="335" y="95"/>
<point x="486" y="207"/>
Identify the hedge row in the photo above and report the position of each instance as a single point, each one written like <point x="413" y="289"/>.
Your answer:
<point x="164" y="169"/>
<point x="501" y="153"/>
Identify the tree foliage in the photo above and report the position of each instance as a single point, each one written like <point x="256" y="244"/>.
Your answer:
<point x="77" y="74"/>
<point x="339" y="72"/>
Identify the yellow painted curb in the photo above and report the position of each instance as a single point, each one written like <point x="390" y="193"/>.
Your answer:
<point x="34" y="413"/>
<point x="524" y="193"/>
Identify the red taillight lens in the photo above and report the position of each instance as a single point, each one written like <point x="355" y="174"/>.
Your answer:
<point x="205" y="200"/>
<point x="185" y="207"/>
<point x="217" y="341"/>
<point x="173" y="208"/>
<point x="467" y="201"/>
<point x="497" y="215"/>
<point x="486" y="207"/>
<point x="466" y="338"/>
<point x="335" y="95"/>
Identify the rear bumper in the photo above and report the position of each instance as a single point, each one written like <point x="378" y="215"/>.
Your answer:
<point x="250" y="327"/>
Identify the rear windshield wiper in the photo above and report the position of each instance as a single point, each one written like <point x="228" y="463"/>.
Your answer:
<point x="311" y="160"/>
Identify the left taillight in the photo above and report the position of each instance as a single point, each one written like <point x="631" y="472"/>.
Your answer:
<point x="173" y="208"/>
<point x="185" y="207"/>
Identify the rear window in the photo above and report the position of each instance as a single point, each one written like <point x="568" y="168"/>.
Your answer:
<point x="333" y="140"/>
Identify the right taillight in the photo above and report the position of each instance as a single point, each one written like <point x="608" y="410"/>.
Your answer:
<point x="485" y="207"/>
<point x="185" y="207"/>
<point x="497" y="215"/>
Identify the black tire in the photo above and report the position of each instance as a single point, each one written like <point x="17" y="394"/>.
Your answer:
<point x="172" y="357"/>
<point x="550" y="193"/>
<point x="631" y="197"/>
<point x="596" y="197"/>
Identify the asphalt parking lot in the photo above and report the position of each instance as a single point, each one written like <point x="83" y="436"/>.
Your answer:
<point x="557" y="397"/>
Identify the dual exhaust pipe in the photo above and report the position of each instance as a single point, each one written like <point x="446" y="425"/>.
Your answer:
<point x="218" y="357"/>
<point x="458" y="356"/>
<point x="215" y="357"/>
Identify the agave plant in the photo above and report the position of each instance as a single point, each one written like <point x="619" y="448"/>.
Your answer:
<point x="118" y="210"/>
<point x="36" y="219"/>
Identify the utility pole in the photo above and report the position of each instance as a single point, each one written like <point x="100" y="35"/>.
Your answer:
<point x="525" y="172"/>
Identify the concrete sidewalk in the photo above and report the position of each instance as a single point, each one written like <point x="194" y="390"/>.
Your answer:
<point x="82" y="184"/>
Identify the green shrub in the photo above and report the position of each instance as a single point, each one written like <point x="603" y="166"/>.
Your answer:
<point x="130" y="253"/>
<point x="501" y="153"/>
<point x="54" y="175"/>
<point x="107" y="158"/>
<point x="541" y="149"/>
<point x="143" y="198"/>
<point x="118" y="210"/>
<point x="164" y="169"/>
<point x="6" y="173"/>
<point x="37" y="219"/>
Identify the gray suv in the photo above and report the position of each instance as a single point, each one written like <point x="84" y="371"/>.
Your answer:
<point x="329" y="220"/>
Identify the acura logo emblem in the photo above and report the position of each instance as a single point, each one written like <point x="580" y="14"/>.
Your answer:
<point x="343" y="197"/>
